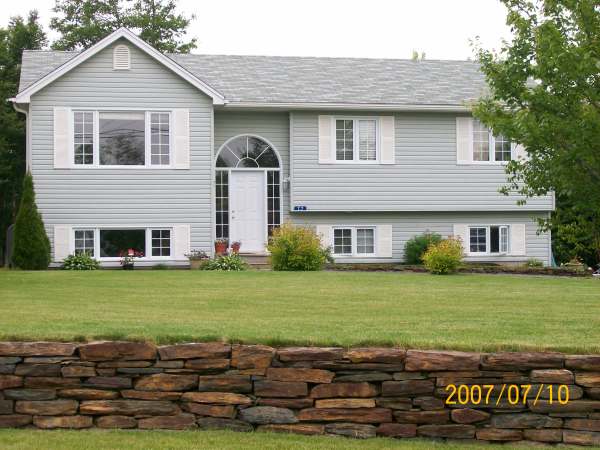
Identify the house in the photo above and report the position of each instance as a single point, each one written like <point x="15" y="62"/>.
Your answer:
<point x="131" y="148"/>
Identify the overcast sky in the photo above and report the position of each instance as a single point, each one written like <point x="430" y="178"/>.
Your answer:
<point x="374" y="28"/>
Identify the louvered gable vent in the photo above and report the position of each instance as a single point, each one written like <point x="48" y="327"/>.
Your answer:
<point x="121" y="58"/>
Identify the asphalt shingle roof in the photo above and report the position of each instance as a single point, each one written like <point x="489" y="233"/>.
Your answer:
<point x="278" y="79"/>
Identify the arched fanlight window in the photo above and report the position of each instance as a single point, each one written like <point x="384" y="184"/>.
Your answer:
<point x="247" y="152"/>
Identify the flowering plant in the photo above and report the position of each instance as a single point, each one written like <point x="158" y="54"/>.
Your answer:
<point x="127" y="257"/>
<point x="196" y="254"/>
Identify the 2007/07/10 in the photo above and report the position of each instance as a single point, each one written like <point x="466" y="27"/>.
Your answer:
<point x="515" y="394"/>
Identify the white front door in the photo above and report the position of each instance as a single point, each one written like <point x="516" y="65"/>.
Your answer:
<point x="248" y="210"/>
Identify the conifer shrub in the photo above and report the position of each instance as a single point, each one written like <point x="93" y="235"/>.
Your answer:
<point x="415" y="248"/>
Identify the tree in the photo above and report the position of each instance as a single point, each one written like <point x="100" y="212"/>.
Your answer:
<point x="31" y="245"/>
<point x="82" y="23"/>
<point x="19" y="35"/>
<point x="545" y="95"/>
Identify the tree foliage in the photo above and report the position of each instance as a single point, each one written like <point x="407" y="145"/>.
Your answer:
<point x="18" y="36"/>
<point x="31" y="245"/>
<point x="82" y="23"/>
<point x="545" y="95"/>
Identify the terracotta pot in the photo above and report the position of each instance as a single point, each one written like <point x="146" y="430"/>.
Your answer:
<point x="235" y="247"/>
<point x="197" y="263"/>
<point x="220" y="248"/>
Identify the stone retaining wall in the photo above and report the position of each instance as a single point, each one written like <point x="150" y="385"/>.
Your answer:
<point x="351" y="392"/>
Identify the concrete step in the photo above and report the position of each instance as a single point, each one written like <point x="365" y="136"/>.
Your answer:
<point x="257" y="261"/>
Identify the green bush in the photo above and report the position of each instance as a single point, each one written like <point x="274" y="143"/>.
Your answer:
<point x="80" y="261"/>
<point x="444" y="257"/>
<point x="230" y="262"/>
<point x="415" y="248"/>
<point x="297" y="248"/>
<point x="532" y="262"/>
<point x="31" y="247"/>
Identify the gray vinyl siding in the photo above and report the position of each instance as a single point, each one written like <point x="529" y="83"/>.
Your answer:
<point x="405" y="225"/>
<point x="131" y="196"/>
<point x="274" y="127"/>
<point x="425" y="176"/>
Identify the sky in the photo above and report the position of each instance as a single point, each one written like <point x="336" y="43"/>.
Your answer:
<point x="442" y="29"/>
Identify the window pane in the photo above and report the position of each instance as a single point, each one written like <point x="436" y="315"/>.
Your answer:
<point x="342" y="241"/>
<point x="504" y="239"/>
<point x="477" y="240"/>
<point x="367" y="140"/>
<point x="222" y="206"/>
<point x="84" y="242"/>
<point x="159" y="138"/>
<point x="114" y="243"/>
<point x="502" y="149"/>
<point x="122" y="138"/>
<point x="273" y="201"/>
<point x="481" y="142"/>
<point x="161" y="242"/>
<point x="344" y="143"/>
<point x="494" y="239"/>
<point x="365" y="240"/>
<point x="83" y="139"/>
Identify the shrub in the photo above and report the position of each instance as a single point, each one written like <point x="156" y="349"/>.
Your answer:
<point x="415" y="248"/>
<point x="231" y="262"/>
<point x="80" y="261"/>
<point x="532" y="262"/>
<point x="160" y="266"/>
<point x="297" y="248"/>
<point x="31" y="247"/>
<point x="444" y="257"/>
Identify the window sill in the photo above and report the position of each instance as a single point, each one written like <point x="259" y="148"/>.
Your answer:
<point x="131" y="167"/>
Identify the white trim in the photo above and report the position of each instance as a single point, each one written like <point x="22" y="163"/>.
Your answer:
<point x="491" y="149"/>
<point x="121" y="57"/>
<point x="257" y="136"/>
<point x="347" y="106"/>
<point x="488" y="252"/>
<point x="25" y="95"/>
<point x="355" y="140"/>
<point x="354" y="241"/>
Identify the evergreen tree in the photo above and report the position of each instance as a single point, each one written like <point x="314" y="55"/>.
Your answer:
<point x="31" y="245"/>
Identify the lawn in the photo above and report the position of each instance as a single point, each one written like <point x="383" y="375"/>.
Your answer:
<point x="208" y="440"/>
<point x="467" y="311"/>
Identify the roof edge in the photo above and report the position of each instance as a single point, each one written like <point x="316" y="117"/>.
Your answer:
<point x="349" y="106"/>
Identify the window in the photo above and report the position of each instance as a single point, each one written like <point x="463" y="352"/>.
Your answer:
<point x="489" y="148"/>
<point x="492" y="239"/>
<point x="247" y="152"/>
<point x="354" y="241"/>
<point x="356" y="139"/>
<point x="113" y="243"/>
<point x="161" y="242"/>
<point x="273" y="201"/>
<point x="83" y="138"/>
<point x="84" y="242"/>
<point x="121" y="138"/>
<point x="222" y="204"/>
<point x="159" y="138"/>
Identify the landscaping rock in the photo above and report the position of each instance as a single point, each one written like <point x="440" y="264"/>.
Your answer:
<point x="266" y="388"/>
<point x="207" y="364"/>
<point x="190" y="351"/>
<point x="128" y="407"/>
<point x="310" y="353"/>
<point x="397" y="430"/>
<point x="36" y="349"/>
<point x="46" y="407"/>
<point x="151" y="395"/>
<point x="225" y="383"/>
<point x="78" y="371"/>
<point x="363" y="376"/>
<point x="402" y="376"/>
<point x="109" y="382"/>
<point x="583" y="362"/>
<point x="7" y="369"/>
<point x="497" y="434"/>
<point x="522" y="361"/>
<point x="358" y="415"/>
<point x="292" y="403"/>
<point x="251" y="356"/>
<point x="30" y="394"/>
<point x="50" y="382"/>
<point x="348" y="366"/>
<point x="126" y="364"/>
<point x="352" y="430"/>
<point x="10" y="381"/>
<point x="588" y="379"/>
<point x="468" y="415"/>
<point x="299" y="374"/>
<point x="575" y="392"/>
<point x="346" y="403"/>
<point x="263" y="415"/>
<point x="558" y="376"/>
<point x="394" y="403"/>
<point x="422" y="417"/>
<point x="576" y="406"/>
<point x="9" y="360"/>
<point x="6" y="406"/>
<point x="116" y="422"/>
<point x="109" y="350"/>
<point x="583" y="424"/>
<point x="447" y="431"/>
<point x="581" y="438"/>
<point x="167" y="382"/>
<point x="226" y="411"/>
<point x="406" y="388"/>
<point x="441" y="360"/>
<point x="296" y="428"/>
<point x="14" y="420"/>
<point x="217" y="398"/>
<point x="173" y="364"/>
<point x="546" y="435"/>
<point x="376" y="355"/>
<point x="88" y="394"/>
<point x="524" y="420"/>
<point x="178" y="422"/>
<point x="38" y="370"/>
<point x="343" y="390"/>
<point x="214" y="423"/>
<point x="75" y="422"/>
<point x="429" y="403"/>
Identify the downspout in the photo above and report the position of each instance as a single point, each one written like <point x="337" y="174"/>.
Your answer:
<point x="20" y="109"/>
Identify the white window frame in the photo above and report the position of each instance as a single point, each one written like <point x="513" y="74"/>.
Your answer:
<point x="148" y="236"/>
<point x="75" y="230"/>
<point x="353" y="233"/>
<point x="96" y="146"/>
<point x="488" y="240"/>
<point x="356" y="140"/>
<point x="492" y="150"/>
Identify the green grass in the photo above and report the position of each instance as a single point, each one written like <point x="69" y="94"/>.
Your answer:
<point x="471" y="312"/>
<point x="165" y="440"/>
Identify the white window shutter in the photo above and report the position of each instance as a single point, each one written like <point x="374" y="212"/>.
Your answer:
<point x="62" y="120"/>
<point x="517" y="239"/>
<point x="461" y="231"/>
<point x="62" y="242"/>
<point x="387" y="140"/>
<point x="181" y="138"/>
<point x="464" y="140"/>
<point x="325" y="232"/>
<point x="384" y="241"/>
<point x="326" y="141"/>
<point x="121" y="58"/>
<point x="519" y="152"/>
<point x="181" y="241"/>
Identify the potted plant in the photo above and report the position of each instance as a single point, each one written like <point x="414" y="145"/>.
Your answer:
<point x="197" y="258"/>
<point x="128" y="258"/>
<point x="221" y="246"/>
<point x="235" y="247"/>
